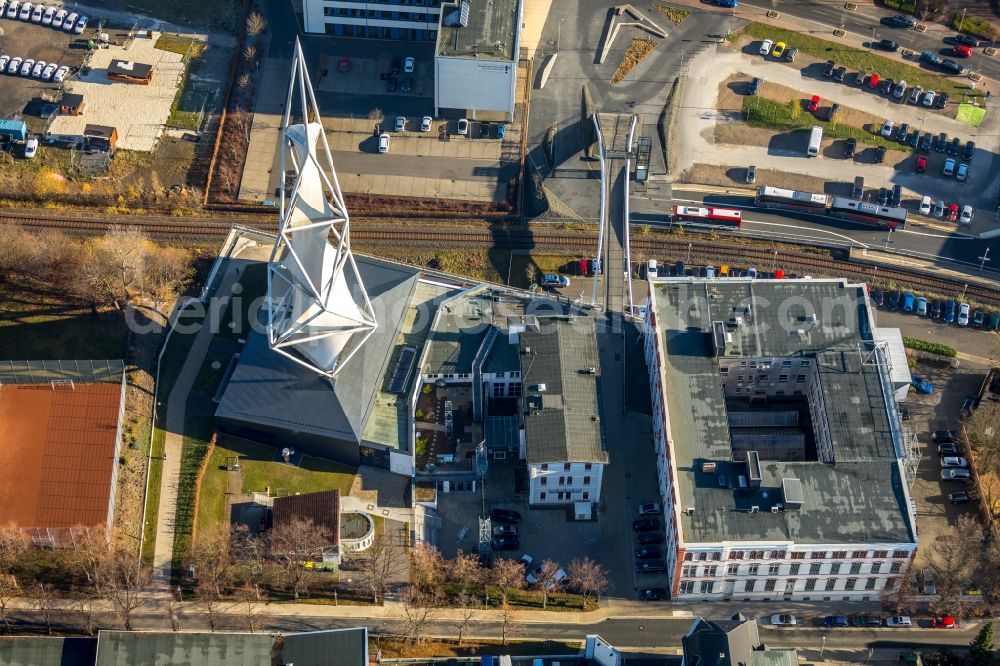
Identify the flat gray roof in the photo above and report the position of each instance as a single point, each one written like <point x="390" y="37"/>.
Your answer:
<point x="489" y="34"/>
<point x="562" y="422"/>
<point x="857" y="499"/>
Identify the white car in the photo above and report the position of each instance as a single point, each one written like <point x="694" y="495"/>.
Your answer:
<point x="928" y="99"/>
<point x="966" y="216"/>
<point x="80" y="26"/>
<point x="30" y="148"/>
<point x="408" y="64"/>
<point x="383" y="143"/>
<point x="15" y="65"/>
<point x="37" y="70"/>
<point x="954" y="461"/>
<point x="57" y="20"/>
<point x="425" y="124"/>
<point x="897" y="621"/>
<point x="12" y="9"/>
<point x="765" y="46"/>
<point x="887" y="128"/>
<point x="4" y="60"/>
<point x="50" y="14"/>
<point x="26" y="67"/>
<point x="651" y="509"/>
<point x="60" y="74"/>
<point x="463" y="126"/>
<point x="963" y="320"/>
<point x="70" y="22"/>
<point x="925" y="205"/>
<point x="37" y="13"/>
<point x="25" y="14"/>
<point x="400" y="123"/>
<point x="783" y="620"/>
<point x="49" y="71"/>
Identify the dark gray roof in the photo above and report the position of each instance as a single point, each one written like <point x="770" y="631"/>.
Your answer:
<point x="490" y="24"/>
<point x="729" y="642"/>
<point x="562" y="422"/>
<point x="47" y="651"/>
<point x="128" y="648"/>
<point x="858" y="498"/>
<point x="270" y="390"/>
<point x="43" y="372"/>
<point x="129" y="68"/>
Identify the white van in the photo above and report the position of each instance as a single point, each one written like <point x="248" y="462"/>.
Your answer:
<point x="651" y="269"/>
<point x="815" y="139"/>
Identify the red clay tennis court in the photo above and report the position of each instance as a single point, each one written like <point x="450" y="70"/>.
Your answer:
<point x="58" y="453"/>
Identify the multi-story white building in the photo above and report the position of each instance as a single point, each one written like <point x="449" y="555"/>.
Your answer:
<point x="779" y="449"/>
<point x="563" y="442"/>
<point x="411" y="20"/>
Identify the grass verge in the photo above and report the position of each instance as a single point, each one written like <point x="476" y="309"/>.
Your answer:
<point x="197" y="433"/>
<point x="763" y="112"/>
<point x="676" y="16"/>
<point x="861" y="60"/>
<point x="440" y="647"/>
<point x="974" y="25"/>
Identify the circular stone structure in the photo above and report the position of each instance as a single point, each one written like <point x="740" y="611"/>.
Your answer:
<point x="357" y="531"/>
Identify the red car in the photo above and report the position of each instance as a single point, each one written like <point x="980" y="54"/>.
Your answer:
<point x="946" y="622"/>
<point x="813" y="103"/>
<point x="962" y="52"/>
<point x="345" y="64"/>
<point x="921" y="164"/>
<point x="873" y="81"/>
<point x="952" y="212"/>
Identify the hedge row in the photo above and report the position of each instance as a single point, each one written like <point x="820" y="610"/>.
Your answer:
<point x="932" y="347"/>
<point x="974" y="25"/>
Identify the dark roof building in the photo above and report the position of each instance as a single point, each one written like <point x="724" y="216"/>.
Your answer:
<point x="732" y="642"/>
<point x="100" y="136"/>
<point x="128" y="71"/>
<point x="322" y="508"/>
<point x="71" y="104"/>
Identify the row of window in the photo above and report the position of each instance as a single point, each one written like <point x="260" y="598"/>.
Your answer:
<point x="766" y="363"/>
<point x="563" y="495"/>
<point x="418" y="3"/>
<point x="770" y="584"/>
<point x="375" y="13"/>
<point x="565" y="480"/>
<point x="704" y="556"/>
<point x="566" y="466"/>
<point x="794" y="569"/>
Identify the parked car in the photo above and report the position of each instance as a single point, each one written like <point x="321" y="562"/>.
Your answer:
<point x="921" y="167"/>
<point x="954" y="461"/>
<point x="867" y="621"/>
<point x="505" y="516"/>
<point x="779" y="49"/>
<point x="783" y="620"/>
<point x="994" y="322"/>
<point x="939" y="208"/>
<point x="392" y="84"/>
<point x="887" y="128"/>
<point x="646" y="525"/>
<point x="15" y="65"/>
<point x="888" y="45"/>
<point x="952" y="213"/>
<point x="425" y="124"/>
<point x="383" y="143"/>
<point x="886" y="86"/>
<point x="925" y="142"/>
<point x="649" y="509"/>
<point x="880" y="155"/>
<point x="12" y="9"/>
<point x="463" y="126"/>
<point x="915" y="93"/>
<point x="922" y="303"/>
<point x="892" y="300"/>
<point x="943" y="436"/>
<point x="36" y="13"/>
<point x="878" y="297"/>
<point x="969" y="150"/>
<point x="901" y="131"/>
<point x="406" y="85"/>
<point x="978" y="318"/>
<point x="653" y="594"/>
<point x="949" y="167"/>
<point x="408" y="65"/>
<point x="941" y="144"/>
<point x="504" y="530"/>
<point x="50" y="13"/>
<point x="400" y="124"/>
<point x="752" y="174"/>
<point x="835" y="621"/>
<point x="850" y="146"/>
<point x="944" y="622"/>
<point x="840" y="74"/>
<point x="49" y="71"/>
<point x="648" y="553"/>
<point x="929" y="581"/>
<point x="873" y="81"/>
<point x="59" y="18"/>
<point x="922" y="385"/>
<point x="935" y="310"/>
<point x="913" y="139"/>
<point x="930" y="57"/>
<point x="80" y="26"/>
<point x="897" y="621"/>
<point x="70" y="22"/>
<point x="27" y="66"/>
<point x="950" y="309"/>
<point x="909" y="301"/>
<point x="765" y="47"/>
<point x="967" y="214"/>
<point x="31" y="148"/>
<point x="813" y="103"/>
<point x="954" y="147"/>
<point x="791" y="53"/>
<point x="962" y="174"/>
<point x="649" y="538"/>
<point x="395" y="65"/>
<point x="649" y="566"/>
<point x="948" y="449"/>
<point x="25" y="13"/>
<point x="754" y="86"/>
<point x="928" y="99"/>
<point x="955" y="474"/>
<point x="833" y="112"/>
<point x="60" y="74"/>
<point x="899" y="90"/>
<point x="899" y="21"/>
<point x="963" y="314"/>
<point x="896" y="198"/>
<point x="952" y="68"/>
<point x="4" y="60"/>
<point x="506" y="543"/>
<point x="966" y="40"/>
<point x="828" y="68"/>
<point x="960" y="497"/>
<point x="941" y="101"/>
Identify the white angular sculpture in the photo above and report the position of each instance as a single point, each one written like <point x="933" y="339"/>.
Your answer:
<point x="319" y="314"/>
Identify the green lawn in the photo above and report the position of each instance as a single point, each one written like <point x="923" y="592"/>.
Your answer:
<point x="855" y="59"/>
<point x="763" y="112"/>
<point x="193" y="95"/>
<point x="260" y="472"/>
<point x="36" y="325"/>
<point x="197" y="433"/>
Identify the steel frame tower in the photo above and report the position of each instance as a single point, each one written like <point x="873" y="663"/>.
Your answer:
<point x="319" y="313"/>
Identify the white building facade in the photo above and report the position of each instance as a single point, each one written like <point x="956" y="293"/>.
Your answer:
<point x="408" y="20"/>
<point x="558" y="483"/>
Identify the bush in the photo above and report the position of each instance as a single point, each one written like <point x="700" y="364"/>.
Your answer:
<point x="974" y="25"/>
<point x="931" y="347"/>
<point x="901" y="5"/>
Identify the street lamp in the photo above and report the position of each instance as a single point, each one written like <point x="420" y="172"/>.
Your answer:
<point x="983" y="259"/>
<point x="689" y="254"/>
<point x="964" y="288"/>
<point x="871" y="44"/>
<point x="822" y="647"/>
<point x="962" y="22"/>
<point x="774" y="261"/>
<point x="888" y="239"/>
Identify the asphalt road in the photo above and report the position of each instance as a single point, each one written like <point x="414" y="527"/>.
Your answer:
<point x="861" y="22"/>
<point x="915" y="240"/>
<point x="415" y="165"/>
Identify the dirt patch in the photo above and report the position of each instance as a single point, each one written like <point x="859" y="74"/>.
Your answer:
<point x="676" y="16"/>
<point x="732" y="91"/>
<point x="724" y="176"/>
<point x="636" y="52"/>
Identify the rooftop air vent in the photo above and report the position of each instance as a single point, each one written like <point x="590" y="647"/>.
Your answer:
<point x="708" y="467"/>
<point x="755" y="509"/>
<point x="689" y="511"/>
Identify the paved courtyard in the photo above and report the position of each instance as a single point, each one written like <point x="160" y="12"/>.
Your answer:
<point x="138" y="112"/>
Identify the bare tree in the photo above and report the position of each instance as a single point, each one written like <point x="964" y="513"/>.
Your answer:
<point x="250" y="554"/>
<point x="509" y="624"/>
<point x="506" y="575"/>
<point x="124" y="581"/>
<point x="293" y="542"/>
<point x="90" y="555"/>
<point x="249" y="598"/>
<point x="548" y="580"/>
<point x="209" y="599"/>
<point x="171" y="608"/>
<point x="589" y="577"/>
<point x="378" y="564"/>
<point x="982" y="429"/>
<point x="167" y="276"/>
<point x="466" y="611"/>
<point x="210" y="560"/>
<point x="427" y="567"/>
<point x="255" y="24"/>
<point x="376" y="115"/>
<point x="84" y="609"/>
<point x="250" y="52"/>
<point x="418" y="607"/>
<point x="9" y="590"/>
<point x="114" y="264"/>
<point x="243" y="82"/>
<point x="466" y="570"/>
<point x="41" y="599"/>
<point x="953" y="563"/>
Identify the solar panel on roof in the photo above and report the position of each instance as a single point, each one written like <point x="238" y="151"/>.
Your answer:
<point x="401" y="373"/>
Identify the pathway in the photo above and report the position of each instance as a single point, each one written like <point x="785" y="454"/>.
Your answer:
<point x="175" y="422"/>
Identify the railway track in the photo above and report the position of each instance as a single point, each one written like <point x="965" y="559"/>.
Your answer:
<point x="503" y="236"/>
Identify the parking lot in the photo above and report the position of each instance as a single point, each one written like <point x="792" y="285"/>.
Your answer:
<point x="38" y="42"/>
